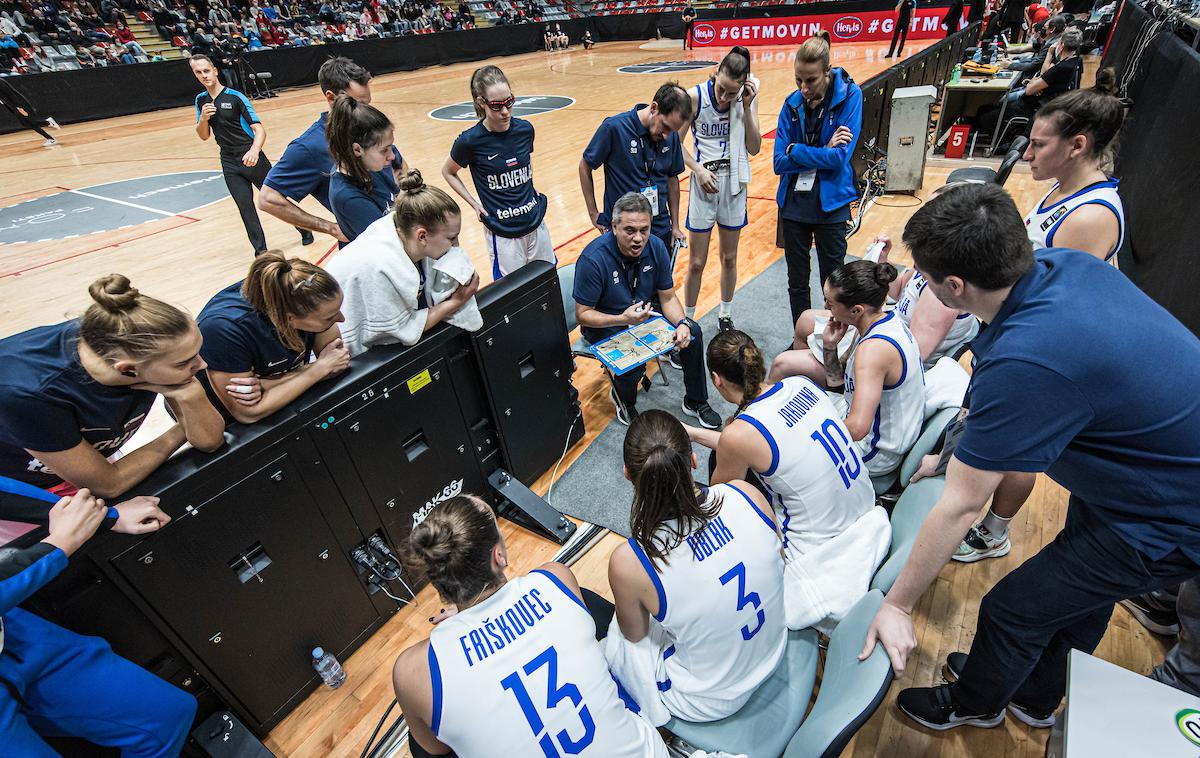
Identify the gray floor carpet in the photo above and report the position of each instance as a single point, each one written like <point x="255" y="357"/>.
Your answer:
<point x="593" y="489"/>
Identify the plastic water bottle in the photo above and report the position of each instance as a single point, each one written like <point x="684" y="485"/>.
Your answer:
<point x="995" y="54"/>
<point x="328" y="667"/>
<point x="978" y="56"/>
<point x="957" y="74"/>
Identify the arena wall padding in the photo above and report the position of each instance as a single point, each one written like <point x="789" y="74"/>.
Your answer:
<point x="1156" y="162"/>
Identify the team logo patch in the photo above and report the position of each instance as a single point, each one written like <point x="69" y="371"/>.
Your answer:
<point x="529" y="105"/>
<point x="109" y="207"/>
<point x="1054" y="217"/>
<point x="664" y="67"/>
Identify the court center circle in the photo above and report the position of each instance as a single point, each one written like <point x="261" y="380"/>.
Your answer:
<point x="525" y="106"/>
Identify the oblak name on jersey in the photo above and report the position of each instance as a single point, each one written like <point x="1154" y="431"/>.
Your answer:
<point x="710" y="539"/>
<point x="801" y="403"/>
<point x="494" y="634"/>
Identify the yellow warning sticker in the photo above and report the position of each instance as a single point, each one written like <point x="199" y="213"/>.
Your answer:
<point x="419" y="381"/>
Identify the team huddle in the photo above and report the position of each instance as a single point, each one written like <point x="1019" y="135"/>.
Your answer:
<point x="785" y="532"/>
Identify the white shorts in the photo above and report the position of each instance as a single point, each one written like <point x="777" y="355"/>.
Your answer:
<point x="511" y="253"/>
<point x="725" y="208"/>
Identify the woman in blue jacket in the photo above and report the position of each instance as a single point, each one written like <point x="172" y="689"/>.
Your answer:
<point x="818" y="126"/>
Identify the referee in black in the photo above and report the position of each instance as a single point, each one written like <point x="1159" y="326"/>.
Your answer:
<point x="20" y="107"/>
<point x="228" y="115"/>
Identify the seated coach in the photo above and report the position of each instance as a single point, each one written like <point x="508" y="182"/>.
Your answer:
<point x="617" y="277"/>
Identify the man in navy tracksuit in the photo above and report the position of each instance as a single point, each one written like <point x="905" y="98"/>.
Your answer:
<point x="818" y="126"/>
<point x="57" y="683"/>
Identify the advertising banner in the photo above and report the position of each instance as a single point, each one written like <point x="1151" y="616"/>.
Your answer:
<point x="872" y="26"/>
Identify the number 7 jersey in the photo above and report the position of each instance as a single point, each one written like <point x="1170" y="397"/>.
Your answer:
<point x="521" y="674"/>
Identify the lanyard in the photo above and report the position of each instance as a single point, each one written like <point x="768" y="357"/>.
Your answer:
<point x="422" y="299"/>
<point x="647" y="160"/>
<point x="636" y="277"/>
<point x="812" y="129"/>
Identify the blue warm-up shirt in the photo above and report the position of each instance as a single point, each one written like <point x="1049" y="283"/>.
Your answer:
<point x="306" y="164"/>
<point x="49" y="403"/>
<point x="502" y="171"/>
<point x="238" y="338"/>
<point x="633" y="161"/>
<point x="353" y="207"/>
<point x="1106" y="406"/>
<point x="611" y="282"/>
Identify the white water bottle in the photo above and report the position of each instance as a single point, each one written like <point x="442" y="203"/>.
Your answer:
<point x="328" y="667"/>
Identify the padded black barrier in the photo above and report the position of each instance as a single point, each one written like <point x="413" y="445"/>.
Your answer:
<point x="89" y="94"/>
<point x="1156" y="162"/>
<point x="255" y="568"/>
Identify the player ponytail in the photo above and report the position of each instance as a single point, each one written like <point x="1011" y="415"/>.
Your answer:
<point x="453" y="547"/>
<point x="279" y="288"/>
<point x="419" y="205"/>
<point x="124" y="323"/>
<point x="735" y="64"/>
<point x="1096" y="113"/>
<point x="482" y="79"/>
<point x="355" y="125"/>
<point x="666" y="506"/>
<point x="815" y="49"/>
<point x="863" y="283"/>
<point x="733" y="356"/>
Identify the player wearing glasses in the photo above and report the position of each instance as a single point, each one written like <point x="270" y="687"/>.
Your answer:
<point x="499" y="150"/>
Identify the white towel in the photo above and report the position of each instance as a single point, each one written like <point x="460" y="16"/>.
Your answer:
<point x="380" y="284"/>
<point x="945" y="386"/>
<point x="638" y="667"/>
<point x="739" y="158"/>
<point x="821" y="586"/>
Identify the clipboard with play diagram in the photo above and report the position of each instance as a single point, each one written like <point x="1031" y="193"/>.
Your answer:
<point x="625" y="351"/>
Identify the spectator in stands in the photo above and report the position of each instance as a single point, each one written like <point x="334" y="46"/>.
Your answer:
<point x="360" y="141"/>
<point x="125" y="36"/>
<point x="1035" y="13"/>
<point x="167" y="21"/>
<point x="220" y="20"/>
<point x="41" y="60"/>
<point x="817" y="129"/>
<point x="84" y="57"/>
<point x="46" y="29"/>
<point x="1054" y="79"/>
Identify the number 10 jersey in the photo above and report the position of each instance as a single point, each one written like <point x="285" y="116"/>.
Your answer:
<point x="521" y="674"/>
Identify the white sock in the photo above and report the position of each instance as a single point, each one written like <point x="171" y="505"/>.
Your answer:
<point x="726" y="308"/>
<point x="997" y="526"/>
<point x="690" y="312"/>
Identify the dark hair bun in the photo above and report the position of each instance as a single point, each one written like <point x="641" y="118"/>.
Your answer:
<point x="114" y="293"/>
<point x="412" y="182"/>
<point x="739" y="50"/>
<point x="434" y="542"/>
<point x="824" y="34"/>
<point x="1106" y="81"/>
<point x="885" y="273"/>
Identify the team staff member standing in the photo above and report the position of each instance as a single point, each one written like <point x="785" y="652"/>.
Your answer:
<point x="59" y="682"/>
<point x="617" y="276"/>
<point x="260" y="335"/>
<point x="726" y="133"/>
<point x="818" y="126"/>
<point x="18" y="105"/>
<point x="499" y="151"/>
<point x="641" y="152"/>
<point x="904" y="11"/>
<point x="228" y="116"/>
<point x="1043" y="398"/>
<point x="306" y="164"/>
<point x="72" y="394"/>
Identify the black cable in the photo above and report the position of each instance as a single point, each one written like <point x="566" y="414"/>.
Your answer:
<point x="378" y="726"/>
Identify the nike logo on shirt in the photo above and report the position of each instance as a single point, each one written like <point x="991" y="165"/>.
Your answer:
<point x="492" y="157"/>
<point x="276" y="363"/>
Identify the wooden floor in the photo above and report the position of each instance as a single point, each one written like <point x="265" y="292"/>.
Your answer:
<point x="187" y="260"/>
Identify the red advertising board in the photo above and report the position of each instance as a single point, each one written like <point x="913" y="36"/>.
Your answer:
<point x="873" y="26"/>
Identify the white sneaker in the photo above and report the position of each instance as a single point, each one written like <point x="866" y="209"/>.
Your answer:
<point x="979" y="544"/>
<point x="50" y="142"/>
<point x="52" y="123"/>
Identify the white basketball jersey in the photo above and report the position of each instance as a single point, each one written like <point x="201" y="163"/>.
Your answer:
<point x="711" y="127"/>
<point x="964" y="329"/>
<point x="1043" y="221"/>
<point x="818" y="483"/>
<point x="720" y="599"/>
<point x="901" y="411"/>
<point x="522" y="674"/>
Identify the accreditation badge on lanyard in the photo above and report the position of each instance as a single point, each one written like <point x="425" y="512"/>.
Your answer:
<point x="807" y="178"/>
<point x="650" y="190"/>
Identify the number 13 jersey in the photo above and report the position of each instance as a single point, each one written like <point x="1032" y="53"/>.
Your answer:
<point x="521" y="674"/>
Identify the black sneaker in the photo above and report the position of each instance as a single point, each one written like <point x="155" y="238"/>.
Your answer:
<point x="306" y="237"/>
<point x="624" y="415"/>
<point x="674" y="360"/>
<point x="952" y="670"/>
<point x="724" y="323"/>
<point x="1151" y="614"/>
<point x="933" y="707"/>
<point x="704" y="413"/>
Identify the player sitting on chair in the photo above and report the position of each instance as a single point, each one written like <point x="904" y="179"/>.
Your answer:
<point x="617" y="277"/>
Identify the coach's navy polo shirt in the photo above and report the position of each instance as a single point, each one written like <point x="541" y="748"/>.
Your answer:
<point x="1104" y="403"/>
<point x="633" y="161"/>
<point x="49" y="403"/>
<point x="605" y="279"/>
<point x="502" y="171"/>
<point x="306" y="164"/>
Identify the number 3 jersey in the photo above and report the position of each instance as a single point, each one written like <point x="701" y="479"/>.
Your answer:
<point x="817" y="480"/>
<point x="720" y="604"/>
<point x="521" y="674"/>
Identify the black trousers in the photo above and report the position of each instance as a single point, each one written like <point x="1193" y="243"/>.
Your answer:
<point x="903" y="19"/>
<point x="242" y="181"/>
<point x="602" y="612"/>
<point x="1059" y="599"/>
<point x="952" y="17"/>
<point x="798" y="239"/>
<point x="695" y="379"/>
